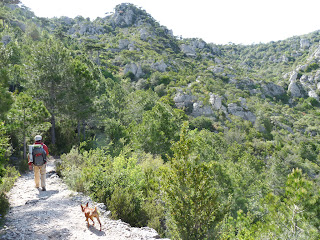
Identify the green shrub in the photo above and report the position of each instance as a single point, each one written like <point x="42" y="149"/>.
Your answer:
<point x="4" y="204"/>
<point x="126" y="205"/>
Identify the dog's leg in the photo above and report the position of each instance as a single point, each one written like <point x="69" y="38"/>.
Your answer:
<point x="99" y="221"/>
<point x="92" y="220"/>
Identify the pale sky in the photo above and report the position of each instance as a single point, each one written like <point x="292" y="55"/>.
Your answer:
<point x="215" y="21"/>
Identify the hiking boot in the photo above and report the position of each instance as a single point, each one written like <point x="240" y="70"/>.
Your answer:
<point x="43" y="189"/>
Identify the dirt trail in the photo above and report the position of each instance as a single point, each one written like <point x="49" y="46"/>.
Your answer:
<point x="56" y="214"/>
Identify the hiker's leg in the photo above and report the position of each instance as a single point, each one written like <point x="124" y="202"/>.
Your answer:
<point x="43" y="175"/>
<point x="36" y="175"/>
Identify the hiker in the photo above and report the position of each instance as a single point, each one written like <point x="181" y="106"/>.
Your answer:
<point x="38" y="163"/>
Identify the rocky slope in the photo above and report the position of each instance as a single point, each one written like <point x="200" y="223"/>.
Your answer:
<point x="56" y="214"/>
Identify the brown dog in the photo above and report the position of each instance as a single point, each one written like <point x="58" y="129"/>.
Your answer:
<point x="90" y="213"/>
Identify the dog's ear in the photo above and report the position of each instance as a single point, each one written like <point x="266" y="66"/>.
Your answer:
<point x="87" y="204"/>
<point x="81" y="207"/>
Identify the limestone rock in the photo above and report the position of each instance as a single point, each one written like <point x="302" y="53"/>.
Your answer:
<point x="188" y="50"/>
<point x="134" y="68"/>
<point x="159" y="66"/>
<point x="123" y="16"/>
<point x="239" y="111"/>
<point x="144" y="34"/>
<point x="201" y="110"/>
<point x="273" y="90"/>
<point x="183" y="101"/>
<point x="295" y="89"/>
<point x="123" y="43"/>
<point x="216" y="101"/>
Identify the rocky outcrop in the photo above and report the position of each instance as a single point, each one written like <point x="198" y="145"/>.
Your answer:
<point x="241" y="111"/>
<point x="201" y="110"/>
<point x="272" y="90"/>
<point x="123" y="44"/>
<point x="295" y="89"/>
<point x="191" y="48"/>
<point x="124" y="16"/>
<point x="184" y="101"/>
<point x="216" y="101"/>
<point x="85" y="28"/>
<point x="159" y="66"/>
<point x="188" y="50"/>
<point x="134" y="68"/>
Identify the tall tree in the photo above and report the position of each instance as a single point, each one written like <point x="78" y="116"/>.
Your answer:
<point x="47" y="73"/>
<point x="27" y="117"/>
<point x="193" y="192"/>
<point x="82" y="91"/>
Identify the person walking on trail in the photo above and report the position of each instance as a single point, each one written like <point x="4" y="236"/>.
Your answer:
<point x="38" y="163"/>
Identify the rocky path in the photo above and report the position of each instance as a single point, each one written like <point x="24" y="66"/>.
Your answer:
<point x="56" y="214"/>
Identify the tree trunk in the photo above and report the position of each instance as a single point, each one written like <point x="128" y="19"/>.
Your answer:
<point x="24" y="146"/>
<point x="53" y="130"/>
<point x="84" y="130"/>
<point x="79" y="131"/>
<point x="24" y="135"/>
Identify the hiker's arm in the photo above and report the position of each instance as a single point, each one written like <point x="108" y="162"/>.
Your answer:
<point x="44" y="154"/>
<point x="29" y="163"/>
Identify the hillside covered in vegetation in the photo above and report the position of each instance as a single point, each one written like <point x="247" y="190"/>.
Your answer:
<point x="193" y="139"/>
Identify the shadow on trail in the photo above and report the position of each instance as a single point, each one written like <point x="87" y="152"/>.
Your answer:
<point x="42" y="195"/>
<point x="96" y="231"/>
